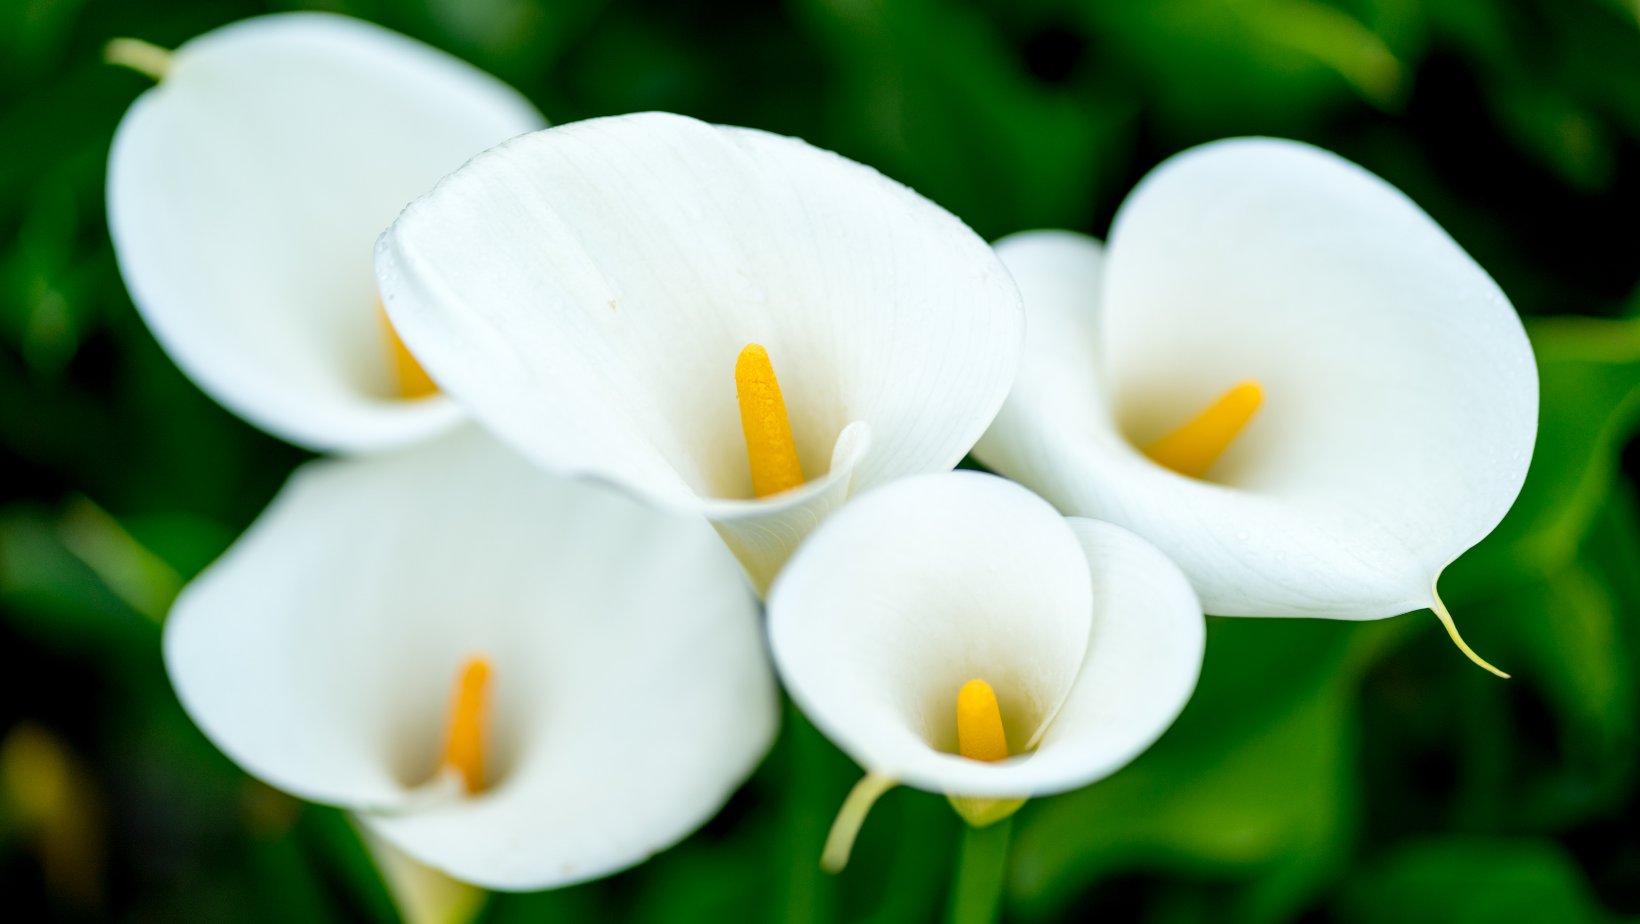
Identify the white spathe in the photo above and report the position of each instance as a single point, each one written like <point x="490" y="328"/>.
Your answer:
<point x="1400" y="394"/>
<point x="244" y="194"/>
<point x="632" y="692"/>
<point x="1090" y="637"/>
<point x="585" y="292"/>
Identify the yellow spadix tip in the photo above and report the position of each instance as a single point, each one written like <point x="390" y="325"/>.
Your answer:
<point x="1195" y="448"/>
<point x="980" y="735"/>
<point x="771" y="452"/>
<point x="469" y="723"/>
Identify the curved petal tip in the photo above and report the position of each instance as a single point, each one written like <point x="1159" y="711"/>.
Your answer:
<point x="147" y="59"/>
<point x="1445" y="616"/>
<point x="840" y="842"/>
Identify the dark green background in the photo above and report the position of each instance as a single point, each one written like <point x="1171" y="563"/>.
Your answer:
<point x="1325" y="771"/>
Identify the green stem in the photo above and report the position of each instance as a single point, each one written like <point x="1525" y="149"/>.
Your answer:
<point x="982" y="868"/>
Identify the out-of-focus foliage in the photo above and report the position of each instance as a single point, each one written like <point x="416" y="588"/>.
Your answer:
<point x="1358" y="772"/>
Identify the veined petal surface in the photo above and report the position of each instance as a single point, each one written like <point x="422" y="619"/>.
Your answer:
<point x="920" y="586"/>
<point x="244" y="194"/>
<point x="586" y="290"/>
<point x="632" y="693"/>
<point x="1400" y="392"/>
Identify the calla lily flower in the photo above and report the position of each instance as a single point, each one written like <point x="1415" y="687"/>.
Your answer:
<point x="718" y="319"/>
<point x="1283" y="374"/>
<point x="954" y="633"/>
<point x="246" y="189"/>
<point x="518" y="680"/>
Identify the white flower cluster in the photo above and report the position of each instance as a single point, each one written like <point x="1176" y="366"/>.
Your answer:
<point x="1280" y="390"/>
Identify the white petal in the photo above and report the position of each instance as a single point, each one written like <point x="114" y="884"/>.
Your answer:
<point x="763" y="535"/>
<point x="913" y="590"/>
<point x="1058" y="409"/>
<point x="632" y="691"/>
<point x="245" y="190"/>
<point x="1400" y="393"/>
<point x="587" y="289"/>
<point x="1144" y="657"/>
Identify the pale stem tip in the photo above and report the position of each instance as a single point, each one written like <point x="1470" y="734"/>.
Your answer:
<point x="140" y="56"/>
<point x="1445" y="617"/>
<point x="422" y="894"/>
<point x="840" y="842"/>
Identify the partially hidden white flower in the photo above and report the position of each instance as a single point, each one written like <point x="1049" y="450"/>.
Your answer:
<point x="718" y="319"/>
<point x="244" y="194"/>
<point x="1370" y="395"/>
<point x="954" y="633"/>
<point x="610" y="684"/>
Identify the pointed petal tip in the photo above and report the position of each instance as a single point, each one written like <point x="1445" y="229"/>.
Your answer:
<point x="140" y="56"/>
<point x="1445" y="616"/>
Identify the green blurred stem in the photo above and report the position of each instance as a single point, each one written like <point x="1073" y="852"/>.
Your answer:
<point x="982" y="867"/>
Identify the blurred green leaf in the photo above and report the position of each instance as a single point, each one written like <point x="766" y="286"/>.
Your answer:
<point x="1589" y="376"/>
<point x="1558" y="76"/>
<point x="1472" y="881"/>
<point x="512" y="38"/>
<point x="136" y="575"/>
<point x="49" y="282"/>
<point x="1575" y="637"/>
<point x="1567" y="638"/>
<point x="557" y="905"/>
<point x="32" y="32"/>
<point x="1629" y="7"/>
<point x="54" y="596"/>
<point x="938" y="101"/>
<point x="282" y="863"/>
<point x="330" y="835"/>
<point x="1265" y="66"/>
<point x="1557" y="131"/>
<point x="1254" y="780"/>
<point x="1332" y="37"/>
<point x="901" y="861"/>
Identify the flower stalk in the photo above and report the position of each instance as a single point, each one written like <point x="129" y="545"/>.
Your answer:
<point x="982" y="872"/>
